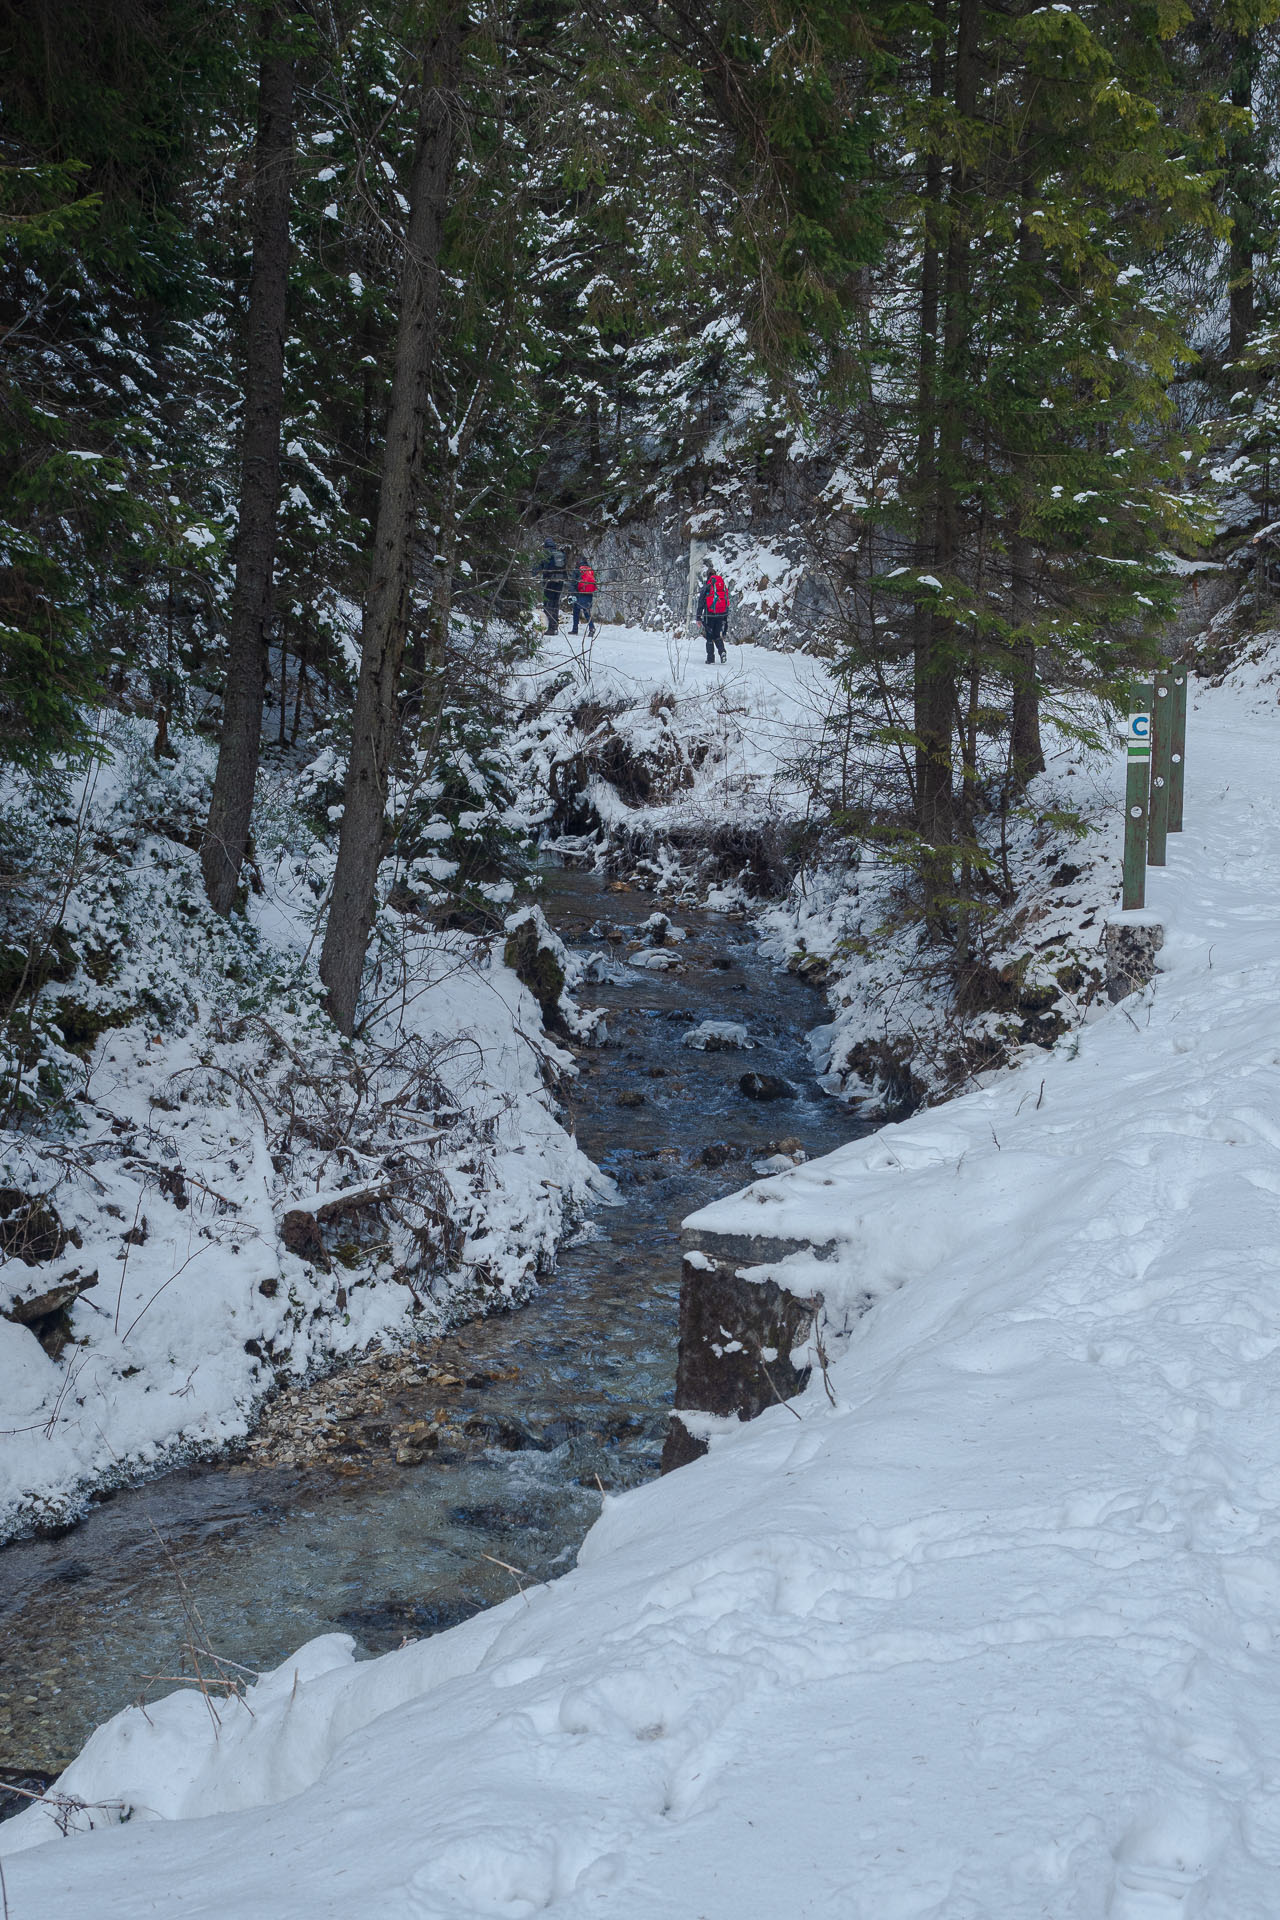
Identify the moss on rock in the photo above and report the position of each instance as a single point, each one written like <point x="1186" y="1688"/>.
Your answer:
<point x="537" y="967"/>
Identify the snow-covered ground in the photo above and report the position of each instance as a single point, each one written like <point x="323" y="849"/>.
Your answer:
<point x="730" y="739"/>
<point x="425" y="1165"/>
<point x="206" y="1097"/>
<point x="712" y="782"/>
<point x="992" y="1637"/>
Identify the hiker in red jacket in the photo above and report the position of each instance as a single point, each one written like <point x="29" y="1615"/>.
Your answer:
<point x="713" y="612"/>
<point x="584" y="588"/>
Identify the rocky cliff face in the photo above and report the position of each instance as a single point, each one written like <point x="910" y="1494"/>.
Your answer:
<point x="761" y="536"/>
<point x="740" y="1336"/>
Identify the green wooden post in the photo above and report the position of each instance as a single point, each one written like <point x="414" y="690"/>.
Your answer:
<point x="1177" y="746"/>
<point x="1161" y="735"/>
<point x="1135" y="799"/>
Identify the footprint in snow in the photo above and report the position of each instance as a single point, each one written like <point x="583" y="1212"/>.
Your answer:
<point x="1162" y="1863"/>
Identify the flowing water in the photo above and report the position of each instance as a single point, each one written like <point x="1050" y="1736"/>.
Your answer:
<point x="551" y="1403"/>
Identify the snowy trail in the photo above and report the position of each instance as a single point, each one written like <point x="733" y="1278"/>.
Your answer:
<point x="761" y="712"/>
<point x="992" y="1636"/>
<point x="634" y="660"/>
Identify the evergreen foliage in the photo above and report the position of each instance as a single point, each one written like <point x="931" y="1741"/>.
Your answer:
<point x="104" y="108"/>
<point x="999" y="276"/>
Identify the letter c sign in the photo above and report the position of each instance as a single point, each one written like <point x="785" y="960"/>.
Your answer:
<point x="1139" y="736"/>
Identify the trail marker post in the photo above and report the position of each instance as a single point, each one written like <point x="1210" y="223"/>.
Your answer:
<point x="1136" y="795"/>
<point x="1161" y="767"/>
<point x="1177" y="744"/>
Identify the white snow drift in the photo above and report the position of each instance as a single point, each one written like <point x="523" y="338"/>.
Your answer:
<point x="990" y="1631"/>
<point x="218" y="1099"/>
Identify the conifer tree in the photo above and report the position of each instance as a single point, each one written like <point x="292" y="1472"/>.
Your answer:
<point x="387" y="609"/>
<point x="231" y="807"/>
<point x="106" y="106"/>
<point x="1041" y="486"/>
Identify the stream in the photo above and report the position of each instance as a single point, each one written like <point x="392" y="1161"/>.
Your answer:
<point x="552" y="1402"/>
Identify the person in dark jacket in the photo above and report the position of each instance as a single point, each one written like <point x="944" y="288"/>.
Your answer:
<point x="713" y="611"/>
<point x="584" y="593"/>
<point x="553" y="571"/>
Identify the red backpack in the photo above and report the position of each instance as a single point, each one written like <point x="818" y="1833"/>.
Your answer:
<point x="586" y="580"/>
<point x="716" y="600"/>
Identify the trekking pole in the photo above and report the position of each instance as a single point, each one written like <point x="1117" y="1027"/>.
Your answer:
<point x="1177" y="745"/>
<point x="1161" y="767"/>
<point x="1137" y="775"/>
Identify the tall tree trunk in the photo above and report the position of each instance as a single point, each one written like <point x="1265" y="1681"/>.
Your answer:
<point x="284" y="687"/>
<point x="1243" y="163"/>
<point x="386" y="615"/>
<point x="298" y="697"/>
<point x="445" y="561"/>
<point x="931" y="702"/>
<point x="1026" y="751"/>
<point x="227" y="830"/>
<point x="936" y="649"/>
<point x="433" y="638"/>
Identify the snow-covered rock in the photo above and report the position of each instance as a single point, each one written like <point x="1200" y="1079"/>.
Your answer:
<point x="717" y="1036"/>
<point x="656" y="960"/>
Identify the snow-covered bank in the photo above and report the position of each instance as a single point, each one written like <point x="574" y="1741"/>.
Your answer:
<point x="727" y="784"/>
<point x="991" y="1635"/>
<point x="696" y="746"/>
<point x="243" y="1195"/>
